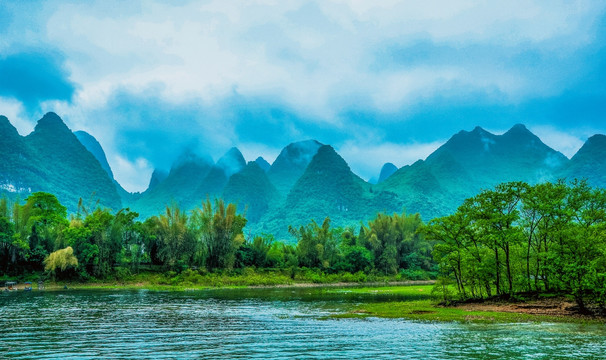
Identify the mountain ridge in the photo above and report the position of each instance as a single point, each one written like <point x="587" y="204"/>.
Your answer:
<point x="308" y="180"/>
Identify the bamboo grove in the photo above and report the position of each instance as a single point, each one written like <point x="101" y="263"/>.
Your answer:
<point x="517" y="238"/>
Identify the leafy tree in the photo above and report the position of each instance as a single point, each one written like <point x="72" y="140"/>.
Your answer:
<point x="254" y="253"/>
<point x="60" y="259"/>
<point x="220" y="233"/>
<point x="357" y="258"/>
<point x="316" y="246"/>
<point x="392" y="241"/>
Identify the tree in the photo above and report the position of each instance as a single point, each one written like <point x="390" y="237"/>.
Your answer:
<point x="60" y="259"/>
<point x="176" y="239"/>
<point x="396" y="242"/>
<point x="40" y="223"/>
<point x="219" y="231"/>
<point x="316" y="245"/>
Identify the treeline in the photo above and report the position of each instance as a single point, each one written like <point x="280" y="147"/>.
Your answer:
<point x="517" y="238"/>
<point x="39" y="236"/>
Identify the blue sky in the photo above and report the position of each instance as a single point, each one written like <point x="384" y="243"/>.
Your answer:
<point x="380" y="81"/>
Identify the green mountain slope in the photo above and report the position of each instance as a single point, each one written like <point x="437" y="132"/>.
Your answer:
<point x="328" y="188"/>
<point x="251" y="189"/>
<point x="178" y="187"/>
<point x="20" y="170"/>
<point x="589" y="162"/>
<point x="469" y="162"/>
<point x="291" y="163"/>
<point x="52" y="159"/>
<point x="92" y="145"/>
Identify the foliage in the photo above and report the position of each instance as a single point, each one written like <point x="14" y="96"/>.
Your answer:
<point x="516" y="238"/>
<point x="61" y="259"/>
<point x="219" y="231"/>
<point x="116" y="245"/>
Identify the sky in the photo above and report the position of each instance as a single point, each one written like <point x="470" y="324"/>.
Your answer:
<point x="386" y="81"/>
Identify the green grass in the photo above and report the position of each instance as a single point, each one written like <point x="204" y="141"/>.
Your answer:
<point x="419" y="292"/>
<point x="426" y="310"/>
<point x="249" y="277"/>
<point x="420" y="305"/>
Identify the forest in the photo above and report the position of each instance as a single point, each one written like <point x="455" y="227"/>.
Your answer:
<point x="549" y="238"/>
<point x="38" y="237"/>
<point x="512" y="240"/>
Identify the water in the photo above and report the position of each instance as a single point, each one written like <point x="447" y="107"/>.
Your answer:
<point x="261" y="324"/>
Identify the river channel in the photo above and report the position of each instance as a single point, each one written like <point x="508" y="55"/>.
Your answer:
<point x="261" y="324"/>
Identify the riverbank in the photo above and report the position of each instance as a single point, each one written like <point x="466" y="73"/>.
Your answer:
<point x="422" y="306"/>
<point x="249" y="277"/>
<point x="389" y="298"/>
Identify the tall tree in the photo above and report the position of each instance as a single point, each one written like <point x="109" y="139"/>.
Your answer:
<point x="219" y="231"/>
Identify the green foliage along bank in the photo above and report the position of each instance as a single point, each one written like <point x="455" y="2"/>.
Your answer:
<point x="38" y="236"/>
<point x="517" y="238"/>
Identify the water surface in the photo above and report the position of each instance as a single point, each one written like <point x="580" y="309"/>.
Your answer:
<point x="262" y="324"/>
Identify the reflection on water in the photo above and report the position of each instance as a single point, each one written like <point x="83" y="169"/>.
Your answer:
<point x="259" y="323"/>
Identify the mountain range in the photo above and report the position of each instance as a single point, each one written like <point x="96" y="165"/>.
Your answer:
<point x="308" y="180"/>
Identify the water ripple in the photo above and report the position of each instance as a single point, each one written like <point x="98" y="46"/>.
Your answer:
<point x="211" y="325"/>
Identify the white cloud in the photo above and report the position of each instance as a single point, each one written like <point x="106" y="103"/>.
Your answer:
<point x="309" y="55"/>
<point x="132" y="175"/>
<point x="14" y="111"/>
<point x="568" y="143"/>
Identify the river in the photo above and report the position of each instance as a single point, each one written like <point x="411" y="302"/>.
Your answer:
<point x="261" y="324"/>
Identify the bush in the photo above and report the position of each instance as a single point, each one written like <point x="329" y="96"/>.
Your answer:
<point x="418" y="274"/>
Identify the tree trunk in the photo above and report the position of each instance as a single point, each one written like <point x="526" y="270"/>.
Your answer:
<point x="508" y="267"/>
<point x="498" y="272"/>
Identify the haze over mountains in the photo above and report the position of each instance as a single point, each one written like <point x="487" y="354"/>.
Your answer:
<point x="308" y="180"/>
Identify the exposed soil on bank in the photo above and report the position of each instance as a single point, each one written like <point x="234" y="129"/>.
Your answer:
<point x="550" y="307"/>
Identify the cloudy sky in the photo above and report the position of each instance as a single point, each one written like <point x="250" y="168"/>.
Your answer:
<point x="380" y="81"/>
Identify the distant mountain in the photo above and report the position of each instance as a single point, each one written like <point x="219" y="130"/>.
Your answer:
<point x="470" y="162"/>
<point x="327" y="188"/>
<point x="179" y="187"/>
<point x="92" y="145"/>
<point x="307" y="180"/>
<point x="387" y="170"/>
<point x="251" y="189"/>
<point x="191" y="180"/>
<point x="214" y="182"/>
<point x="156" y="178"/>
<point x="263" y="164"/>
<point x="291" y="163"/>
<point x="52" y="159"/>
<point x="589" y="162"/>
<point x="232" y="162"/>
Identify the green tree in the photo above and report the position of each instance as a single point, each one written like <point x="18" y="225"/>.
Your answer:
<point x="176" y="238"/>
<point x="219" y="231"/>
<point x="316" y="245"/>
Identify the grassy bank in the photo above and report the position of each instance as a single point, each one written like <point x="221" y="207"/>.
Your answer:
<point x="194" y="279"/>
<point x="419" y="304"/>
<point x="388" y="297"/>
